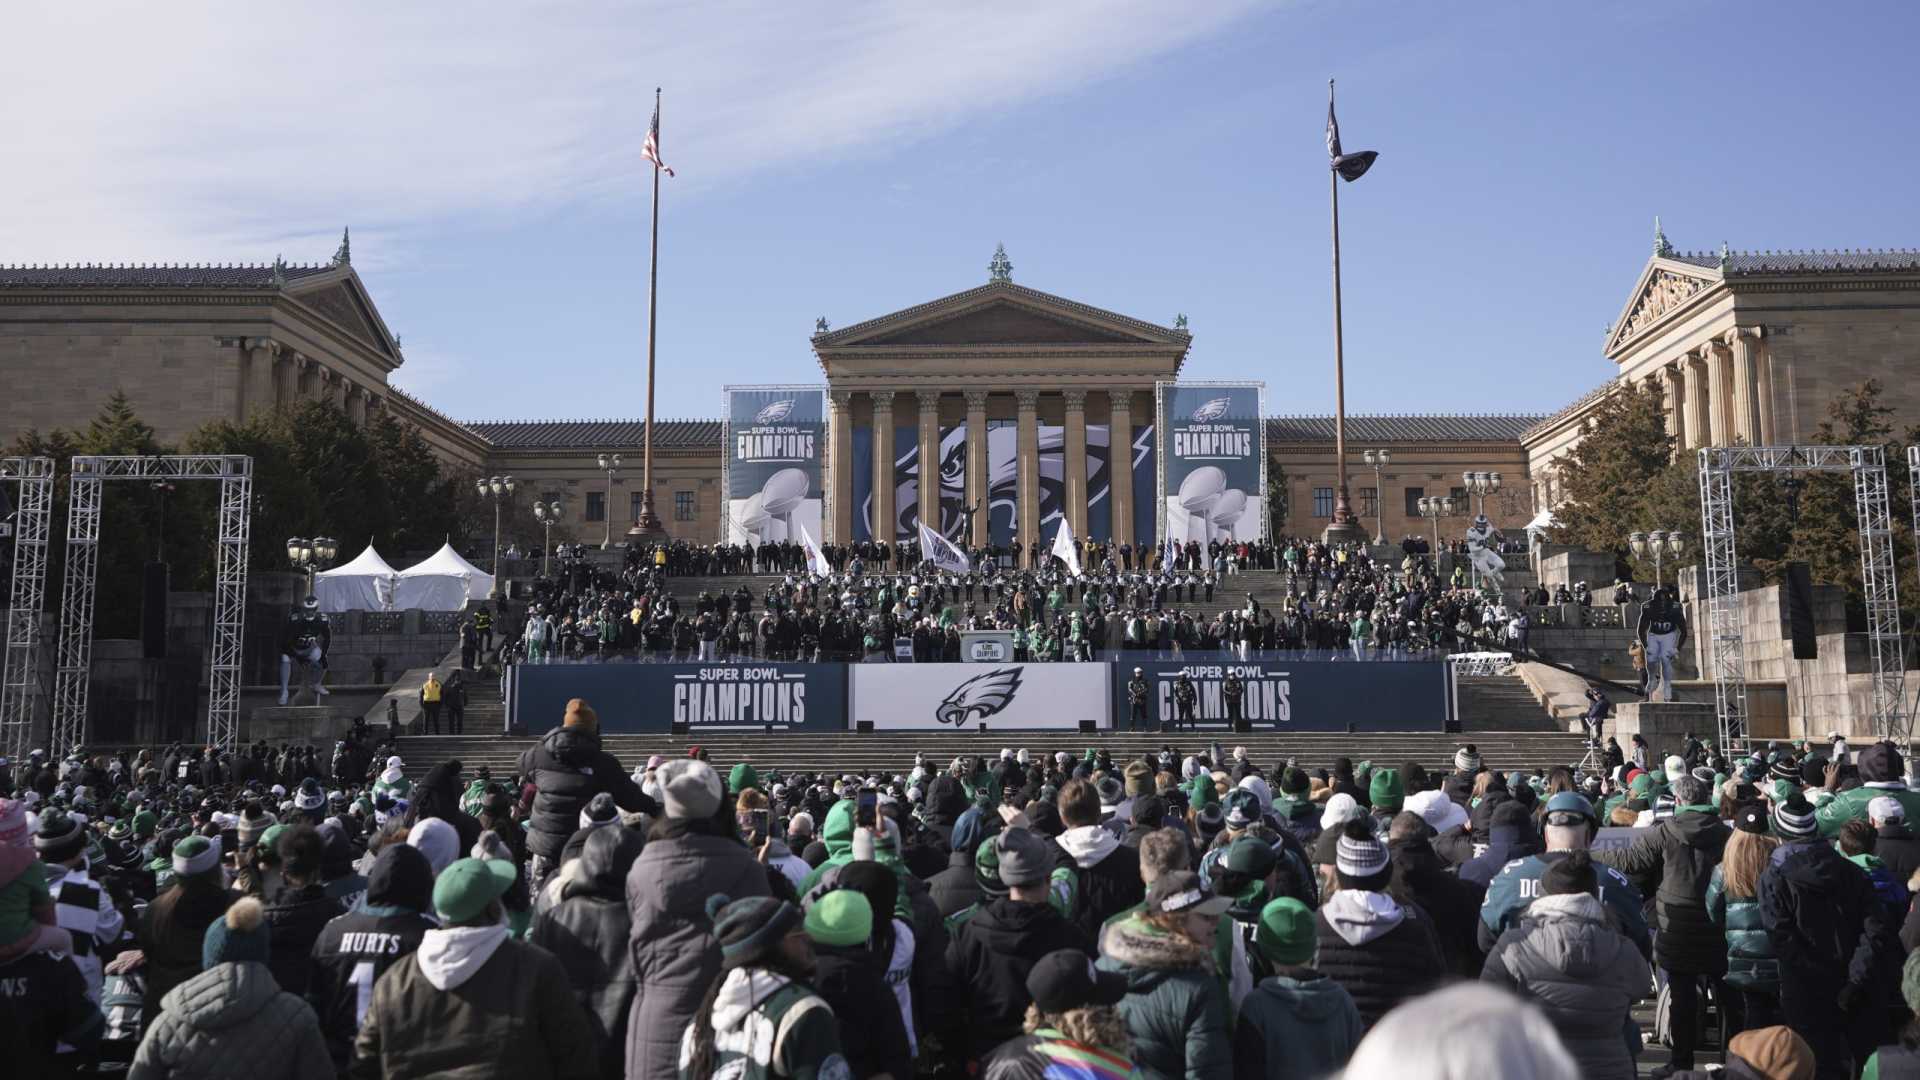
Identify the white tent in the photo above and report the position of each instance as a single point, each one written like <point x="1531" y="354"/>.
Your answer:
<point x="365" y="584"/>
<point x="1541" y="522"/>
<point x="442" y="581"/>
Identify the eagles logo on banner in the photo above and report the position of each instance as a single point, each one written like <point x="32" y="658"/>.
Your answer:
<point x="772" y="469"/>
<point x="980" y="697"/>
<point x="1213" y="463"/>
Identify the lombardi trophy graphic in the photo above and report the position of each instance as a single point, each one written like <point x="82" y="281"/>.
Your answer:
<point x="305" y="639"/>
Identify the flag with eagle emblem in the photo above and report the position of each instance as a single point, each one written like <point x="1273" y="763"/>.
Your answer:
<point x="1351" y="167"/>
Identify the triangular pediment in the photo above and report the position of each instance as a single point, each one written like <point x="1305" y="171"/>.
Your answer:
<point x="1001" y="314"/>
<point x="339" y="297"/>
<point x="1666" y="287"/>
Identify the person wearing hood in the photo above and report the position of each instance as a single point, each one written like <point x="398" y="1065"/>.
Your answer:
<point x="173" y="926"/>
<point x="300" y="909"/>
<point x="232" y="1021"/>
<point x="1073" y="1030"/>
<point x="760" y="1019"/>
<point x="1882" y="774"/>
<point x="946" y="803"/>
<point x="392" y="781"/>
<point x="1510" y="836"/>
<point x="1565" y="957"/>
<point x="851" y="974"/>
<point x="1570" y="827"/>
<point x="1491" y="790"/>
<point x="1108" y="871"/>
<point x="958" y="887"/>
<point x="1339" y="810"/>
<point x="1675" y="861"/>
<point x="1382" y="950"/>
<point x="1297" y="1024"/>
<point x="471" y="1001"/>
<point x="437" y="795"/>
<point x="588" y="931"/>
<point x="355" y="949"/>
<point x="1176" y="1009"/>
<point x="690" y="856"/>
<point x="1832" y="940"/>
<point x="1453" y="904"/>
<point x="568" y="768"/>
<point x="992" y="952"/>
<point x="1387" y="794"/>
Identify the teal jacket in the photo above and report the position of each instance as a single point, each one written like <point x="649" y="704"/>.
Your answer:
<point x="1295" y="1029"/>
<point x="1751" y="964"/>
<point x="1175" y="1009"/>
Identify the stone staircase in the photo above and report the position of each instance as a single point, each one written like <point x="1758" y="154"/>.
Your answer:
<point x="1502" y="703"/>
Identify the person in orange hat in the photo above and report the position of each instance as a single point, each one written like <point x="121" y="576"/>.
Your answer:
<point x="568" y="768"/>
<point x="1770" y="1053"/>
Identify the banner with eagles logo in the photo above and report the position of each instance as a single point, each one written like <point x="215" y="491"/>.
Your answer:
<point x="1213" y="462"/>
<point x="775" y="438"/>
<point x="961" y="697"/>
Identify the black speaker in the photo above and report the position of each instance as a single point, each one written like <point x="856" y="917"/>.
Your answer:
<point x="1800" y="612"/>
<point x="680" y="727"/>
<point x="864" y="727"/>
<point x="153" y="612"/>
<point x="1242" y="725"/>
<point x="1088" y="726"/>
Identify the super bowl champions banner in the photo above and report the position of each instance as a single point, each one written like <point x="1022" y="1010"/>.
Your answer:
<point x="1213" y="462"/>
<point x="1300" y="695"/>
<point x="648" y="699"/>
<point x="772" y="469"/>
<point x="956" y="697"/>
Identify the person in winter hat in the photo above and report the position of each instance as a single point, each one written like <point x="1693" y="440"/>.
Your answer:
<point x="1382" y="951"/>
<point x="392" y="781"/>
<point x="1468" y="1031"/>
<point x="568" y="768"/>
<point x="1569" y="827"/>
<point x="232" y="1021"/>
<point x="1882" y="775"/>
<point x="388" y="926"/>
<point x="82" y="906"/>
<point x="1752" y="982"/>
<point x="1073" y="1028"/>
<point x="851" y="976"/>
<point x="760" y="1018"/>
<point x="1777" y="1053"/>
<point x="173" y="927"/>
<point x="1176" y="1009"/>
<point x="1297" y="1024"/>
<point x="471" y="1001"/>
<point x="46" y="1006"/>
<point x="26" y="907"/>
<point x="588" y="929"/>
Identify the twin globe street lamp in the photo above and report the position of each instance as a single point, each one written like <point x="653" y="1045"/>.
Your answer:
<point x="1659" y="543"/>
<point x="1433" y="508"/>
<point x="609" y="464"/>
<point x="499" y="489"/>
<point x="1379" y="459"/>
<point x="312" y="556"/>
<point x="549" y="516"/>
<point x="1481" y="484"/>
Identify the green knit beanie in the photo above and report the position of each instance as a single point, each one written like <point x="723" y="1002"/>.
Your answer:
<point x="1201" y="793"/>
<point x="1386" y="791"/>
<point x="1286" y="933"/>
<point x="842" y="917"/>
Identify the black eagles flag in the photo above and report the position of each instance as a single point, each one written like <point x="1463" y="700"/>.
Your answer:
<point x="1351" y="167"/>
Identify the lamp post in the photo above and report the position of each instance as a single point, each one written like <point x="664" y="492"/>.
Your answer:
<point x="1481" y="485"/>
<point x="549" y="515"/>
<point x="312" y="555"/>
<point x="1433" y="508"/>
<point x="499" y="489"/>
<point x="1379" y="459"/>
<point x="609" y="464"/>
<point x="1659" y="543"/>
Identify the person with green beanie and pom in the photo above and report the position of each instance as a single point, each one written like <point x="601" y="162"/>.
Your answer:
<point x="761" y="1019"/>
<point x="1297" y="1023"/>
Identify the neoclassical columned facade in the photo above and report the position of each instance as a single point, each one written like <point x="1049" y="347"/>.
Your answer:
<point x="978" y="381"/>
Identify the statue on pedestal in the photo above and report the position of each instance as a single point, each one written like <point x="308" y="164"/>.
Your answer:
<point x="305" y="639"/>
<point x="1486" y="562"/>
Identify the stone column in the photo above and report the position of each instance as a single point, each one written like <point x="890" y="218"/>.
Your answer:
<point x="1770" y="434"/>
<point x="840" y="469"/>
<point x="306" y="377"/>
<point x="929" y="487"/>
<point x="286" y="377"/>
<point x="1672" y="382"/>
<point x="883" y="516"/>
<point x="356" y="404"/>
<point x="256" y="380"/>
<point x="1744" y="346"/>
<point x="977" y="466"/>
<point x="1695" y="397"/>
<point x="1120" y="465"/>
<point x="1719" y="391"/>
<point x="1028" y="526"/>
<point x="1076" y="461"/>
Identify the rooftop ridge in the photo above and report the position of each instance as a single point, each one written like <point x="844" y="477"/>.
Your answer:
<point x="1577" y="404"/>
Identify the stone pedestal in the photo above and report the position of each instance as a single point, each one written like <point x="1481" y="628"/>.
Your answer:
<point x="1352" y="532"/>
<point x="316" y="724"/>
<point x="1665" y="724"/>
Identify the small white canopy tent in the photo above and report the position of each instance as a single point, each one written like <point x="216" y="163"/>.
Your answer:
<point x="1541" y="522"/>
<point x="365" y="584"/>
<point x="442" y="581"/>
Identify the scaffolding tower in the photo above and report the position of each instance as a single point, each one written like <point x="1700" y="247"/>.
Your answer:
<point x="20" y="681"/>
<point x="235" y="474"/>
<point x="1727" y="634"/>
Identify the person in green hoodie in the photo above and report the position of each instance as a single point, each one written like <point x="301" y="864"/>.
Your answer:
<point x="1297" y="1023"/>
<point x="742" y="777"/>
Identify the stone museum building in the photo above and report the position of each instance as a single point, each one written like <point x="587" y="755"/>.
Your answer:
<point x="1746" y="346"/>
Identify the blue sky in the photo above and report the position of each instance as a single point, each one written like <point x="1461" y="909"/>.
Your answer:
<point x="850" y="159"/>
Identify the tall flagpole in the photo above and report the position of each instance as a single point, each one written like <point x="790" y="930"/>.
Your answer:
<point x="1344" y="526"/>
<point x="648" y="524"/>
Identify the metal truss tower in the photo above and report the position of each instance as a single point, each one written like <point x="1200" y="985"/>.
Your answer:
<point x="235" y="474"/>
<point x="20" y="684"/>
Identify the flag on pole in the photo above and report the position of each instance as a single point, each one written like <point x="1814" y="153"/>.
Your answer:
<point x="1170" y="557"/>
<point x="816" y="559"/>
<point x="941" y="552"/>
<point x="1065" y="549"/>
<point x="1351" y="167"/>
<point x="651" y="148"/>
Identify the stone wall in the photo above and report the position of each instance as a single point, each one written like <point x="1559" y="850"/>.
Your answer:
<point x="1560" y="565"/>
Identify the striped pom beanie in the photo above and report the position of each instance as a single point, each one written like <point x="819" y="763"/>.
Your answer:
<point x="196" y="855"/>
<point x="1359" y="859"/>
<point x="1793" y="819"/>
<point x="1467" y="759"/>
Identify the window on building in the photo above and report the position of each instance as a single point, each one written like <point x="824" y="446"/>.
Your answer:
<point x="596" y="506"/>
<point x="1414" y="495"/>
<point x="683" y="506"/>
<point x="1323" y="502"/>
<point x="633" y="505"/>
<point x="1369" y="502"/>
<point x="1460" y="504"/>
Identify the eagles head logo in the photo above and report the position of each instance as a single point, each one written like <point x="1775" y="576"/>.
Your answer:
<point x="979" y="697"/>
<point x="774" y="413"/>
<point x="1211" y="411"/>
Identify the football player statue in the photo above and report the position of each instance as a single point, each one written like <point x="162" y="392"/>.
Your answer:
<point x="305" y="638"/>
<point x="1486" y="562"/>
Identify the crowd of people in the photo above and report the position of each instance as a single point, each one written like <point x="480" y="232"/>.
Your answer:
<point x="1023" y="915"/>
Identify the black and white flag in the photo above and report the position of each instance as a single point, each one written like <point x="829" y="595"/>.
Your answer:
<point x="1351" y="167"/>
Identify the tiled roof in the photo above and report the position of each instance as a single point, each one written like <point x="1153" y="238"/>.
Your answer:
<point x="1805" y="262"/>
<point x="170" y="276"/>
<point x="1425" y="428"/>
<point x="1579" y="404"/>
<point x="598" y="434"/>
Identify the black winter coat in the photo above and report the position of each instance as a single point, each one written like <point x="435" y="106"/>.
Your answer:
<point x="588" y="932"/>
<point x="956" y="888"/>
<point x="1383" y="963"/>
<point x="853" y="979"/>
<point x="988" y="960"/>
<point x="1900" y="850"/>
<point x="1106" y="889"/>
<point x="379" y="939"/>
<point x="294" y="921"/>
<point x="1481" y="816"/>
<point x="1827" y="925"/>
<point x="1675" y="864"/>
<point x="568" y="769"/>
<point x="1453" y="904"/>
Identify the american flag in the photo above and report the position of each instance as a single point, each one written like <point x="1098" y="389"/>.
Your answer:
<point x="651" y="148"/>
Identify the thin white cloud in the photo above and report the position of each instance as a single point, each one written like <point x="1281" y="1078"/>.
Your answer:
<point x="136" y="131"/>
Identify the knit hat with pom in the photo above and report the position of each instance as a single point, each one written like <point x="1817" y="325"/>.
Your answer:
<point x="236" y="937"/>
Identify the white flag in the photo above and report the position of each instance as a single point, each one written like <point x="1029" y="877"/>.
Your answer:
<point x="1170" y="553"/>
<point x="816" y="559"/>
<point x="941" y="551"/>
<point x="1065" y="549"/>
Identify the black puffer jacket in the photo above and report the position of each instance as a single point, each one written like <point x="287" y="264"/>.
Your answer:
<point x="956" y="888"/>
<point x="588" y="931"/>
<point x="1827" y="925"/>
<point x="988" y="960"/>
<point x="1382" y="952"/>
<point x="1109" y="877"/>
<point x="1675" y="863"/>
<point x="568" y="769"/>
<point x="1453" y="904"/>
<point x="438" y="795"/>
<point x="294" y="921"/>
<point x="1481" y="816"/>
<point x="853" y="980"/>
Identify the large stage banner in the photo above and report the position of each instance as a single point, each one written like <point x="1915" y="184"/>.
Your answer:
<point x="649" y="699"/>
<point x="952" y="481"/>
<point x="1213" y="473"/>
<point x="1296" y="695"/>
<point x="772" y="469"/>
<point x="961" y="697"/>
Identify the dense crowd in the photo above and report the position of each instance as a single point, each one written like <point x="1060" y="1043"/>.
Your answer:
<point x="1031" y="914"/>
